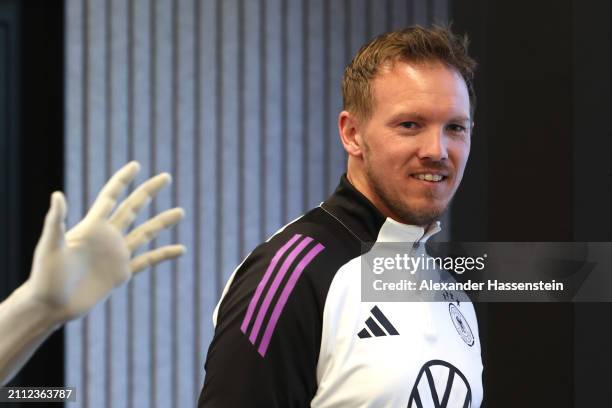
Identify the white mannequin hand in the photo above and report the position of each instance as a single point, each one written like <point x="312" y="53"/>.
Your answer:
<point x="71" y="274"/>
<point x="74" y="271"/>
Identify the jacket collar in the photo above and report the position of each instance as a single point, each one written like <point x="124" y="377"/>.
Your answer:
<point x="353" y="210"/>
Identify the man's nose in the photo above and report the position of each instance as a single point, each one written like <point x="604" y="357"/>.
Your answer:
<point x="433" y="146"/>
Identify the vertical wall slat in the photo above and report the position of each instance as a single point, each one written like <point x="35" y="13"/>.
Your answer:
<point x="253" y="161"/>
<point x="163" y="162"/>
<point x="152" y="28"/>
<point x="130" y="124"/>
<point x="305" y="78"/>
<point x="219" y="106"/>
<point x="197" y="192"/>
<point x="97" y="352"/>
<point x="117" y="155"/>
<point x="184" y="197"/>
<point x="273" y="153"/>
<point x="316" y="93"/>
<point x="142" y="315"/>
<point x="75" y="48"/>
<point x="420" y="10"/>
<point x="84" y="188"/>
<point x="241" y="39"/>
<point x="339" y="57"/>
<point x="284" y="108"/>
<point x="325" y="105"/>
<point x="263" y="117"/>
<point x="228" y="142"/>
<point x="209" y="203"/>
<point x="175" y="108"/>
<point x="108" y="120"/>
<point x="239" y="100"/>
<point x="294" y="89"/>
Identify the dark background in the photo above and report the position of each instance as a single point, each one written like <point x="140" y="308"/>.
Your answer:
<point x="539" y="171"/>
<point x="31" y="152"/>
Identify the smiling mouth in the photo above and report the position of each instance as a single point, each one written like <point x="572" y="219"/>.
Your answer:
<point x="434" y="178"/>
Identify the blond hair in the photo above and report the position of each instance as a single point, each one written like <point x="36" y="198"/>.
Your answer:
<point x="414" y="44"/>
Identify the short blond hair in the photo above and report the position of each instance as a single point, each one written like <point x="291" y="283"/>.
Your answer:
<point x="412" y="44"/>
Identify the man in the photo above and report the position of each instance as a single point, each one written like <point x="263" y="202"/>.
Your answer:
<point x="291" y="329"/>
<point x="73" y="271"/>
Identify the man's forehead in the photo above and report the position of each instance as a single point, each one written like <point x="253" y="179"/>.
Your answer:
<point x="425" y="76"/>
<point x="414" y="64"/>
<point x="417" y="88"/>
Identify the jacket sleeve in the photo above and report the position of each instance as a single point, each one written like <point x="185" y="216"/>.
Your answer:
<point x="267" y="337"/>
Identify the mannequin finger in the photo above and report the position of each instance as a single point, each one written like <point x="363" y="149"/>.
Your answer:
<point x="151" y="228"/>
<point x="107" y="198"/>
<point x="52" y="236"/>
<point x="128" y="210"/>
<point x="156" y="256"/>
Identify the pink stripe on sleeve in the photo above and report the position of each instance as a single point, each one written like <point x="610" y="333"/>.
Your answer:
<point x="264" y="280"/>
<point x="278" y="309"/>
<point x="274" y="287"/>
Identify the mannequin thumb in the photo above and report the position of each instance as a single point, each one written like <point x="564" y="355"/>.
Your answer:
<point x="55" y="223"/>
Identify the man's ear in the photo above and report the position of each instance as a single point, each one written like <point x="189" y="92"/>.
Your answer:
<point x="350" y="135"/>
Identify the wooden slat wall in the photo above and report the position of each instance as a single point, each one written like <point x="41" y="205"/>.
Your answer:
<point x="238" y="100"/>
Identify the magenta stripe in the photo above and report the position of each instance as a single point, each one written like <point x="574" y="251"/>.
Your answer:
<point x="278" y="309"/>
<point x="274" y="287"/>
<point x="264" y="281"/>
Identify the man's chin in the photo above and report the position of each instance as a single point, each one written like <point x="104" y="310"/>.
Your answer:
<point x="422" y="219"/>
<point x="423" y="216"/>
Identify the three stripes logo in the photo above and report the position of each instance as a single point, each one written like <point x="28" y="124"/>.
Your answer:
<point x="440" y="385"/>
<point x="375" y="325"/>
<point x="281" y="280"/>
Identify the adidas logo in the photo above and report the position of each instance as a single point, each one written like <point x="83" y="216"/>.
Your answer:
<point x="374" y="324"/>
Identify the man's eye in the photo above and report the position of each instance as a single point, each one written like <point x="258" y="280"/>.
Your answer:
<point x="457" y="128"/>
<point x="408" y="125"/>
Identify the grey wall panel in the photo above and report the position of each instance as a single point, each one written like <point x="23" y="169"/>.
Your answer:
<point x="94" y="156"/>
<point x="250" y="125"/>
<point x="315" y="137"/>
<point x="293" y="108"/>
<point x="239" y="101"/>
<point x="227" y="19"/>
<point x="335" y="59"/>
<point x="75" y="48"/>
<point x="116" y="153"/>
<point x="421" y="11"/>
<point x="357" y="12"/>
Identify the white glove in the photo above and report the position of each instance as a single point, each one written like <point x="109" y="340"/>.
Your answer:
<point x="72" y="272"/>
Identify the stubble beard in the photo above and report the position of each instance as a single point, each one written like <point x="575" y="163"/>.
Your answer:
<point x="404" y="212"/>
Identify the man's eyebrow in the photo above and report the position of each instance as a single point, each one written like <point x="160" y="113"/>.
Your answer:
<point x="411" y="115"/>
<point x="420" y="117"/>
<point x="461" y="119"/>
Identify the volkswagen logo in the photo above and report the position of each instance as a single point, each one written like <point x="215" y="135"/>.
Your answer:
<point x="440" y="385"/>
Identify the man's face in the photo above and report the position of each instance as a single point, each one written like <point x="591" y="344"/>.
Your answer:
<point x="416" y="143"/>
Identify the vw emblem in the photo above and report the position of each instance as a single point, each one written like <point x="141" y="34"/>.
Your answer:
<point x="441" y="385"/>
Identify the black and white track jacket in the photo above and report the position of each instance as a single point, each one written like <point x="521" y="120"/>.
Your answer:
<point x="291" y="329"/>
